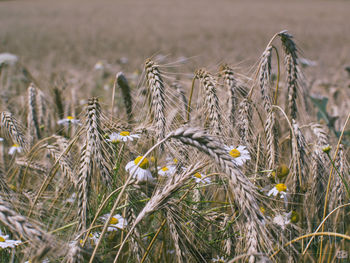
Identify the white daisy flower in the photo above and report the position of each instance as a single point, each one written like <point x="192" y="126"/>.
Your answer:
<point x="140" y="171"/>
<point x="5" y="242"/>
<point x="280" y="189"/>
<point x="8" y="59"/>
<point x="68" y="120"/>
<point x="201" y="178"/>
<point x="93" y="238"/>
<point x="72" y="198"/>
<point x="219" y="259"/>
<point x="1" y="139"/>
<point x="15" y="148"/>
<point x="117" y="221"/>
<point x="122" y="136"/>
<point x="167" y="170"/>
<point x="282" y="220"/>
<point x="46" y="260"/>
<point x="240" y="154"/>
<point x="99" y="65"/>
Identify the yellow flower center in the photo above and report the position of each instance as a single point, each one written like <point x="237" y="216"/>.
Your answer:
<point x="282" y="171"/>
<point x="164" y="169"/>
<point x="70" y="118"/>
<point x="295" y="217"/>
<point x="153" y="159"/>
<point x="2" y="239"/>
<point x="144" y="164"/>
<point x="235" y="153"/>
<point x="124" y="133"/>
<point x="198" y="175"/>
<point x="175" y="161"/>
<point x="15" y="145"/>
<point x="262" y="209"/>
<point x="114" y="221"/>
<point x="281" y="187"/>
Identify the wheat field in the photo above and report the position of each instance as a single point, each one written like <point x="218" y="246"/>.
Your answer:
<point x="121" y="143"/>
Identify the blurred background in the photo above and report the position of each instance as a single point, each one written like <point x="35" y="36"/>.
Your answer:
<point x="54" y="36"/>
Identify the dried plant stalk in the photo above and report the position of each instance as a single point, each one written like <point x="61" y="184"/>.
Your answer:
<point x="231" y="87"/>
<point x="14" y="129"/>
<point x="211" y="101"/>
<point x="125" y="88"/>
<point x="291" y="61"/>
<point x="32" y="119"/>
<point x="156" y="86"/>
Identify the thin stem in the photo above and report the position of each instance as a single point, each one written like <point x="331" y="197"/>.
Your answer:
<point x="113" y="94"/>
<point x="190" y="99"/>
<point x="278" y="74"/>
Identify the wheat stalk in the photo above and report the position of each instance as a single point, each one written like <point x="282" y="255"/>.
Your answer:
<point x="211" y="101"/>
<point x="182" y="96"/>
<point x="92" y="152"/>
<point x="156" y="86"/>
<point x="244" y="121"/>
<point x="231" y="87"/>
<point x="32" y="119"/>
<point x="125" y="88"/>
<point x="291" y="61"/>
<point x="14" y="129"/>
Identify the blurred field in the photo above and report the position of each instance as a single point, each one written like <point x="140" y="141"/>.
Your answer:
<point x="64" y="35"/>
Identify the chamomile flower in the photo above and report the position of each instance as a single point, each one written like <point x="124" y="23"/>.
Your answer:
<point x="167" y="170"/>
<point x="5" y="242"/>
<point x="8" y="59"/>
<point x="140" y="171"/>
<point x="240" y="154"/>
<point x="93" y="238"/>
<point x="122" y="136"/>
<point x="201" y="178"/>
<point x="1" y="139"/>
<point x="68" y="120"/>
<point x="46" y="260"/>
<point x="117" y="221"/>
<point x="219" y="259"/>
<point x="280" y="189"/>
<point x="281" y="220"/>
<point x="72" y="198"/>
<point x="15" y="148"/>
<point x="100" y="65"/>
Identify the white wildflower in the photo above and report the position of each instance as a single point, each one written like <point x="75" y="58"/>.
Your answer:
<point x="240" y="154"/>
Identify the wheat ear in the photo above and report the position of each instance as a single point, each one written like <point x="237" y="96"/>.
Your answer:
<point x="291" y="62"/>
<point x="92" y="152"/>
<point x="231" y="87"/>
<point x="32" y="119"/>
<point x="211" y="101"/>
<point x="156" y="86"/>
<point x="14" y="129"/>
<point x="183" y="98"/>
<point x="20" y="226"/>
<point x="244" y="121"/>
<point x="126" y="93"/>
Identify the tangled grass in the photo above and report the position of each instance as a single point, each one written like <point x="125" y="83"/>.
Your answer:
<point x="216" y="171"/>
